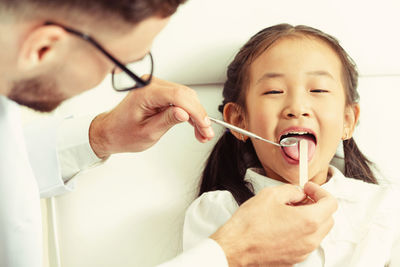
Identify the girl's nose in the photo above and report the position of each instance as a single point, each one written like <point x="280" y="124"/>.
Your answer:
<point x="297" y="114"/>
<point x="296" y="109"/>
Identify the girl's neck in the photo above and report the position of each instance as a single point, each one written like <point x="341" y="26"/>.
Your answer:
<point x="320" y="178"/>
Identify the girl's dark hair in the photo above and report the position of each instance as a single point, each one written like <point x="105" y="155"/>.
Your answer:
<point x="230" y="158"/>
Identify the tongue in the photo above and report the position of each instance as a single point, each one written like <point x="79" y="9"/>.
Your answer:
<point x="293" y="151"/>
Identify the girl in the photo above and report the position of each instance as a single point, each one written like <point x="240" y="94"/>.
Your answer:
<point x="297" y="81"/>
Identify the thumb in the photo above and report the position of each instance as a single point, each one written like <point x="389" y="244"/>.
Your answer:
<point x="289" y="194"/>
<point x="175" y="115"/>
<point x="325" y="204"/>
<point x="166" y="119"/>
<point x="315" y="192"/>
<point x="321" y="197"/>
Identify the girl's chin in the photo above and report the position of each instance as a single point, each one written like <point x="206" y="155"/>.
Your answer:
<point x="292" y="182"/>
<point x="287" y="178"/>
<point x="290" y="174"/>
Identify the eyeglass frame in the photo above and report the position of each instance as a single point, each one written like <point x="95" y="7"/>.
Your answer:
<point x="140" y="82"/>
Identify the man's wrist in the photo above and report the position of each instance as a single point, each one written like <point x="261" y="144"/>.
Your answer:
<point x="233" y="252"/>
<point x="97" y="136"/>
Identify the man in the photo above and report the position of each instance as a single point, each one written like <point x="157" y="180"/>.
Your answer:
<point x="55" y="49"/>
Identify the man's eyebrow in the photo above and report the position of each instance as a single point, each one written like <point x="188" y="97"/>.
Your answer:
<point x="320" y="73"/>
<point x="270" y="75"/>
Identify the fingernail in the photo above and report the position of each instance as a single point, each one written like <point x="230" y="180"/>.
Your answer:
<point x="207" y="121"/>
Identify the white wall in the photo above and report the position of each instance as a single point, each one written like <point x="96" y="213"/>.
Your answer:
<point x="205" y="34"/>
<point x="380" y="124"/>
<point x="128" y="212"/>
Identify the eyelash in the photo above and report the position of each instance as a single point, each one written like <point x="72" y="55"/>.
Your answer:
<point x="318" y="91"/>
<point x="273" y="92"/>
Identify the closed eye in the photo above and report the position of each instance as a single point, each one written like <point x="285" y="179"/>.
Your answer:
<point x="319" y="91"/>
<point x="272" y="92"/>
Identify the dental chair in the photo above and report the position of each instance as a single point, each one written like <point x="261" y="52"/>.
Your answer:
<point x="129" y="210"/>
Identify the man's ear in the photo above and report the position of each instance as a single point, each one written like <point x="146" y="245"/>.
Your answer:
<point x="234" y="115"/>
<point x="351" y="116"/>
<point x="40" y="46"/>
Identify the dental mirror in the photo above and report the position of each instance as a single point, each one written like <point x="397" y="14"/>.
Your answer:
<point x="288" y="141"/>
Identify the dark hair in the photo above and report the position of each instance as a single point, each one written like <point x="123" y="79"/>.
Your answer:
<point x="230" y="158"/>
<point x="130" y="11"/>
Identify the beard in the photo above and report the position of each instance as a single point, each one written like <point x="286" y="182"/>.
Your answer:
<point x="40" y="94"/>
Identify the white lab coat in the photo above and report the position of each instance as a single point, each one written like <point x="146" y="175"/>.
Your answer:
<point x="20" y="227"/>
<point x="43" y="163"/>
<point x="26" y="175"/>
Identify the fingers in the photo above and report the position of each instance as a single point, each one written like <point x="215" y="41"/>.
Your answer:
<point x="325" y="204"/>
<point x="321" y="197"/>
<point x="288" y="194"/>
<point x="164" y="93"/>
<point x="315" y="192"/>
<point x="313" y="233"/>
<point x="324" y="229"/>
<point x="188" y="101"/>
<point x="178" y="115"/>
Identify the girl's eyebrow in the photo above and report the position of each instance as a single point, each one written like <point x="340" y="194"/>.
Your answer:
<point x="320" y="73"/>
<point x="272" y="75"/>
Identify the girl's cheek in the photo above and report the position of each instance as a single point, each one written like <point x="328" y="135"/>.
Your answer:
<point x="260" y="122"/>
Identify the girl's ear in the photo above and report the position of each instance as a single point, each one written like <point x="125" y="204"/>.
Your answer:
<point x="234" y="115"/>
<point x="41" y="45"/>
<point x="351" y="116"/>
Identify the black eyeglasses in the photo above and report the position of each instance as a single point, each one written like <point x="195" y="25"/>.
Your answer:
<point x="124" y="79"/>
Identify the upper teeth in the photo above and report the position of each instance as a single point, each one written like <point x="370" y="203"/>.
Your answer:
<point x="298" y="133"/>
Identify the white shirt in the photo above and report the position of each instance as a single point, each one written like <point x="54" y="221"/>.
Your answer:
<point x="366" y="230"/>
<point x="44" y="163"/>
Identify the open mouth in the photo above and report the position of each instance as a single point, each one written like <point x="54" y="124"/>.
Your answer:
<point x="292" y="153"/>
<point x="300" y="135"/>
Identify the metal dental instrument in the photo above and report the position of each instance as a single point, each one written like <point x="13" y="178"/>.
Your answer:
<point x="288" y="141"/>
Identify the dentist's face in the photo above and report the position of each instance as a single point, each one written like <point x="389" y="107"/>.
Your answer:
<point x="296" y="88"/>
<point x="70" y="65"/>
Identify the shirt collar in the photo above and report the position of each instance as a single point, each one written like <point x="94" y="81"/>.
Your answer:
<point x="338" y="185"/>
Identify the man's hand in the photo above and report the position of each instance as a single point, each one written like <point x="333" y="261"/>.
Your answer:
<point x="145" y="115"/>
<point x="266" y="231"/>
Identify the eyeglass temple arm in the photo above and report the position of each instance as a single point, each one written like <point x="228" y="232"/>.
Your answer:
<point x="105" y="52"/>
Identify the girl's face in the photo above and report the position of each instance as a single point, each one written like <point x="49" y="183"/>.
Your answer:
<point x="296" y="88"/>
